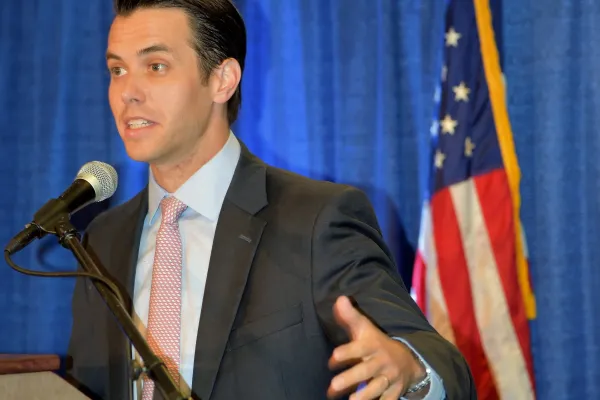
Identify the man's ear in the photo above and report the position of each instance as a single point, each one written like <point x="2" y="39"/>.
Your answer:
<point x="226" y="78"/>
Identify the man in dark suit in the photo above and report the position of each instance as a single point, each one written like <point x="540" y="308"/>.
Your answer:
<point x="239" y="274"/>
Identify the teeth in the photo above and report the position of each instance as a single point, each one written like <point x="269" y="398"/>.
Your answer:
<point x="138" y="123"/>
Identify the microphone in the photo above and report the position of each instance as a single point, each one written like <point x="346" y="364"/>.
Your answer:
<point x="96" y="181"/>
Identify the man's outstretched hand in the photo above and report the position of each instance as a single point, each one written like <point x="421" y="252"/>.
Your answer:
<point x="386" y="365"/>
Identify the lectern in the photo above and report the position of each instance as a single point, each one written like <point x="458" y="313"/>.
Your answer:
<point x="34" y="377"/>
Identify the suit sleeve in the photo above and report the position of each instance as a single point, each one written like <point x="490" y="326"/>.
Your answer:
<point x="349" y="257"/>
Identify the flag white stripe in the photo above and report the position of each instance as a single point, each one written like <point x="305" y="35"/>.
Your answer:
<point x="498" y="335"/>
<point x="436" y="308"/>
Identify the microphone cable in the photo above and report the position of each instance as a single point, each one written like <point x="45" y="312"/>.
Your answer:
<point x="106" y="281"/>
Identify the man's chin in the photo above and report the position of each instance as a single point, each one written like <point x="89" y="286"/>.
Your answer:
<point x="142" y="155"/>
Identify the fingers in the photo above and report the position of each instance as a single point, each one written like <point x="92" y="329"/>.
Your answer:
<point x="349" y="317"/>
<point x="379" y="388"/>
<point x="373" y="358"/>
<point x="376" y="387"/>
<point x="393" y="393"/>
<point x="350" y="354"/>
<point x="354" y="376"/>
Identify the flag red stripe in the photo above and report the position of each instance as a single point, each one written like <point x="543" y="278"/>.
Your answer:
<point x="496" y="207"/>
<point x="454" y="278"/>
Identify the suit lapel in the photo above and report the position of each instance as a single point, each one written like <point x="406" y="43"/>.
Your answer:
<point x="126" y="243"/>
<point x="237" y="236"/>
<point x="123" y="260"/>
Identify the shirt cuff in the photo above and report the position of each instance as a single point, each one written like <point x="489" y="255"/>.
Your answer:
<point x="436" y="387"/>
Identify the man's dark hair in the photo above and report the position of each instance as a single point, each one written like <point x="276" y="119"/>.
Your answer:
<point x="218" y="33"/>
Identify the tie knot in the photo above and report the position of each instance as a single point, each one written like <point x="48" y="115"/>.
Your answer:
<point x="171" y="210"/>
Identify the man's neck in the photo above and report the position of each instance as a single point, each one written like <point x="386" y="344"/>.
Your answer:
<point x="170" y="176"/>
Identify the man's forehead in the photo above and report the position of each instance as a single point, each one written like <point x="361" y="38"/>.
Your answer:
<point x="145" y="28"/>
<point x="150" y="23"/>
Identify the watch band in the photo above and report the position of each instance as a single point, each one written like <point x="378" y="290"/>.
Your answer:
<point x="422" y="384"/>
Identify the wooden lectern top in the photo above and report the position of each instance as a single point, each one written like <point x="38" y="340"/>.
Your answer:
<point x="22" y="363"/>
<point x="35" y="377"/>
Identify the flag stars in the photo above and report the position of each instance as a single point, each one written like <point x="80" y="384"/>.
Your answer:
<point x="469" y="147"/>
<point x="452" y="37"/>
<point x="439" y="159"/>
<point x="448" y="124"/>
<point x="461" y="92"/>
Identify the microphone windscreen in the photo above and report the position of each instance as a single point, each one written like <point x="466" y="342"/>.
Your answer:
<point x="103" y="178"/>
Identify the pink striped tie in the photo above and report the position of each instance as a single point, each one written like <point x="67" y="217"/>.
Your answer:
<point x="164" y="316"/>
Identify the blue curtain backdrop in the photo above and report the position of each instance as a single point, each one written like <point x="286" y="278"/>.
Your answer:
<point x="334" y="89"/>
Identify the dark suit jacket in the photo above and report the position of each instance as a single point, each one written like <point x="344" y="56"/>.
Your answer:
<point x="285" y="248"/>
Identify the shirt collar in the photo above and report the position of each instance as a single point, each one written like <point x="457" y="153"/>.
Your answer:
<point x="204" y="191"/>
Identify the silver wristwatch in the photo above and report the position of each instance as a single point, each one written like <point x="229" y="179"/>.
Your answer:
<point x="422" y="384"/>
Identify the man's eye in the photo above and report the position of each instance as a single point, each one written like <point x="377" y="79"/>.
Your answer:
<point x="117" y="71"/>
<point x="158" y="67"/>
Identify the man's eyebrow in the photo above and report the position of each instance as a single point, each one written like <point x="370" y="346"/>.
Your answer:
<point x="156" y="48"/>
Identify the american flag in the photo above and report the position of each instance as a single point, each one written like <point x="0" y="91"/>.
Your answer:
<point x="471" y="274"/>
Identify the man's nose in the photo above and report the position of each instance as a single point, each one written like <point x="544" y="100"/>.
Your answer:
<point x="132" y="92"/>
